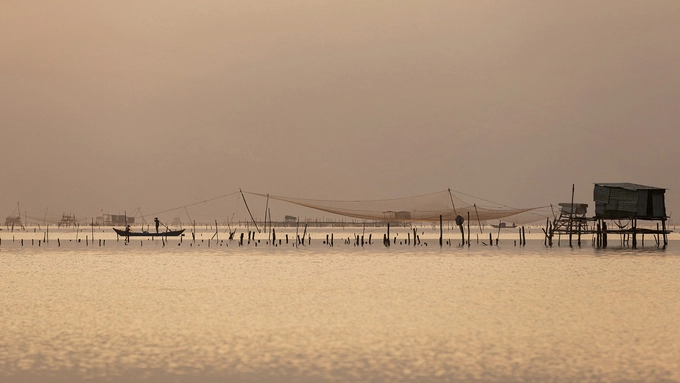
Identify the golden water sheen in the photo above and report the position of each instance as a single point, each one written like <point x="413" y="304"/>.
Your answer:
<point x="145" y="312"/>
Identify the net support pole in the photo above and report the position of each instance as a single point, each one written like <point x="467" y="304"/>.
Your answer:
<point x="251" y="214"/>
<point x="479" y="222"/>
<point x="266" y="208"/>
<point x="452" y="204"/>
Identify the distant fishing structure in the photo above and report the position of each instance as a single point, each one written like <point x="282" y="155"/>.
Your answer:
<point x="619" y="207"/>
<point x="622" y="205"/>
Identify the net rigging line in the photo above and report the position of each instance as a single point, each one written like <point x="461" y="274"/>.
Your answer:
<point x="193" y="204"/>
<point x="496" y="203"/>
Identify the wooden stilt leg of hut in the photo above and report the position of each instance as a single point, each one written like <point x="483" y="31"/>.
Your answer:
<point x="663" y="227"/>
<point x="634" y="223"/>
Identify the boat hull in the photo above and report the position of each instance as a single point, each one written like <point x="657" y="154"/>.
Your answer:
<point x="124" y="233"/>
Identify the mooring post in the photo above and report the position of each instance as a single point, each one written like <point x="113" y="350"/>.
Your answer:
<point x="388" y="234"/>
<point x="490" y="239"/>
<point x="468" y="225"/>
<point x="598" y="236"/>
<point x="519" y="230"/>
<point x="604" y="235"/>
<point x="441" y="231"/>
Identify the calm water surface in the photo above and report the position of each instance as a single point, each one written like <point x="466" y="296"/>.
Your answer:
<point x="180" y="313"/>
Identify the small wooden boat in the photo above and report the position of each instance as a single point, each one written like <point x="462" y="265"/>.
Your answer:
<point x="504" y="225"/>
<point x="128" y="233"/>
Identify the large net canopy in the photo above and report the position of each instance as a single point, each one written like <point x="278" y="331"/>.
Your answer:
<point x="427" y="207"/>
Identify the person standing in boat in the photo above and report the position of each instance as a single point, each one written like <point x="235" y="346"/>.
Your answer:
<point x="157" y="223"/>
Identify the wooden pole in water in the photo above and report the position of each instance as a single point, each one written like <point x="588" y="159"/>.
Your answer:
<point x="604" y="235"/>
<point x="388" y="233"/>
<point x="665" y="236"/>
<point x="479" y="222"/>
<point x="441" y="232"/>
<point x="468" y="224"/>
<point x="247" y="208"/>
<point x="634" y="223"/>
<point x="265" y="213"/>
<point x="519" y="229"/>
<point x="571" y="215"/>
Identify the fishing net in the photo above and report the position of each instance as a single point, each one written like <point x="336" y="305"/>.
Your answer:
<point x="427" y="207"/>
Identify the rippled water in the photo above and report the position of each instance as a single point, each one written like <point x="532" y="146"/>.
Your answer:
<point x="149" y="312"/>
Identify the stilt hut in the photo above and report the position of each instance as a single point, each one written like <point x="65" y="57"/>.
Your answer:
<point x="614" y="201"/>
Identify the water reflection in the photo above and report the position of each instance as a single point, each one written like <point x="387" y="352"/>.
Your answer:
<point x="320" y="314"/>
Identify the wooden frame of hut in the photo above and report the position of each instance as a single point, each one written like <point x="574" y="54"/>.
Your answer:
<point x="572" y="220"/>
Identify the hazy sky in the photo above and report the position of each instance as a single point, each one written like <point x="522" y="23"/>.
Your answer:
<point x="115" y="105"/>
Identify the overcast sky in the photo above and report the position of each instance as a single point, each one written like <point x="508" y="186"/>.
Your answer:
<point x="113" y="105"/>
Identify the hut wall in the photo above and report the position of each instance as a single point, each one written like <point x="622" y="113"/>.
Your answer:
<point x="629" y="201"/>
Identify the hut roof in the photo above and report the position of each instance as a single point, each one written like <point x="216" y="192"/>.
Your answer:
<point x="628" y="186"/>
